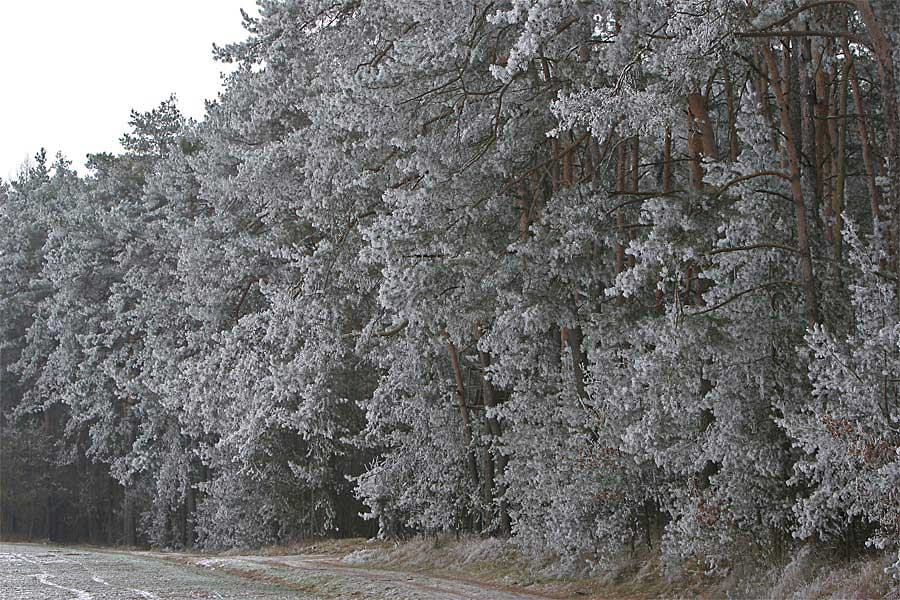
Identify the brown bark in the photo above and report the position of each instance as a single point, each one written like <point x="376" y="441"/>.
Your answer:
<point x="463" y="411"/>
<point x="882" y="48"/>
<point x="703" y="125"/>
<point x="695" y="152"/>
<point x="809" y="282"/>
<point x="704" y="145"/>
<point x="862" y="124"/>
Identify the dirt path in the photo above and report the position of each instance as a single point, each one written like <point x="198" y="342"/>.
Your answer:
<point x="332" y="579"/>
<point x="33" y="571"/>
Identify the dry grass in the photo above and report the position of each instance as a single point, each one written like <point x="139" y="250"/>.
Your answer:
<point x="324" y="546"/>
<point x="820" y="574"/>
<point x="808" y="574"/>
<point x="488" y="561"/>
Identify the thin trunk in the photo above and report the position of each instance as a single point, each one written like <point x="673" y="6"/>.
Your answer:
<point x="840" y="175"/>
<point x="833" y="158"/>
<point x="128" y="523"/>
<point x="733" y="144"/>
<point x="48" y="496"/>
<point x="635" y="180"/>
<point x="667" y="163"/>
<point x="823" y="141"/>
<point x="110" y="512"/>
<point x="883" y="50"/>
<point x="862" y="123"/>
<point x="809" y="282"/>
<point x="568" y="163"/>
<point x="496" y="433"/>
<point x="694" y="155"/>
<point x="190" y="506"/>
<point x="704" y="146"/>
<point x="596" y="155"/>
<point x="463" y="412"/>
<point x="808" y="126"/>
<point x="573" y="338"/>
<point x="128" y="517"/>
<point x="487" y="487"/>
<point x="524" y="202"/>
<point x="555" y="166"/>
<point x="589" y="155"/>
<point x="666" y="188"/>
<point x="762" y="92"/>
<point x="791" y="59"/>
<point x="620" y="214"/>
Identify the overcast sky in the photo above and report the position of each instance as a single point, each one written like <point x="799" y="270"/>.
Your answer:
<point x="72" y="70"/>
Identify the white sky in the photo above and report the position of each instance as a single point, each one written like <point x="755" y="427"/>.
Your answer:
<point x="72" y="70"/>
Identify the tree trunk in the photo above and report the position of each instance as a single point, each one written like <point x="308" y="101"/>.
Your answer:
<point x="620" y="214"/>
<point x="868" y="162"/>
<point x="189" y="510"/>
<point x="883" y="50"/>
<point x="809" y="282"/>
<point x="840" y="172"/>
<point x="635" y="179"/>
<point x="808" y="125"/>
<point x="496" y="433"/>
<point x="823" y="139"/>
<point x="463" y="412"/>
<point x="733" y="143"/>
<point x="128" y="521"/>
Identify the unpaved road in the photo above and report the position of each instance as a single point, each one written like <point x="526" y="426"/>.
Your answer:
<point x="29" y="571"/>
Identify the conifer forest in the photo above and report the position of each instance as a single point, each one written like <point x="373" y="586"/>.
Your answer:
<point x="584" y="274"/>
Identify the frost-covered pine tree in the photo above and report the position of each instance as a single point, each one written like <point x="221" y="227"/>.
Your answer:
<point x="587" y="274"/>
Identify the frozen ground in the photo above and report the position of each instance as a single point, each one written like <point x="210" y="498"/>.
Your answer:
<point x="45" y="572"/>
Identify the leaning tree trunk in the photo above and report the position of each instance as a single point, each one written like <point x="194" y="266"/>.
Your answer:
<point x="471" y="461"/>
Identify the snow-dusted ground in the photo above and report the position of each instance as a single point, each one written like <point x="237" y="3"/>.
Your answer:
<point x="44" y="572"/>
<point x="331" y="578"/>
<point x="29" y="571"/>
